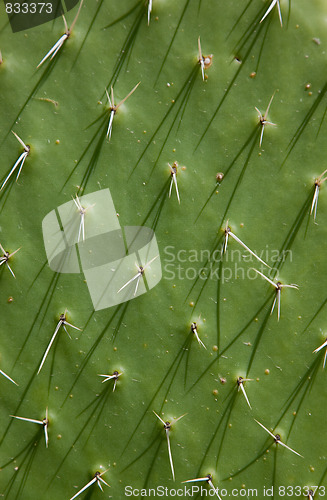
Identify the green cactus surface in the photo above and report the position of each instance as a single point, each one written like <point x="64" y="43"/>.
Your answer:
<point x="220" y="149"/>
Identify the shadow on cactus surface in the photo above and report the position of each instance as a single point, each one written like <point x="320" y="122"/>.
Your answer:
<point x="220" y="184"/>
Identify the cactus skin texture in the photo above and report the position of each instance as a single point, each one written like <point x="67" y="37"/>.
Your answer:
<point x="179" y="349"/>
